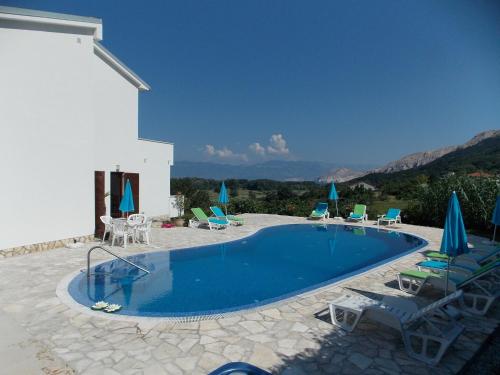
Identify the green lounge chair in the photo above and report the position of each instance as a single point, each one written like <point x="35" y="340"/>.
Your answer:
<point x="392" y="216"/>
<point x="481" y="287"/>
<point x="320" y="212"/>
<point x="473" y="257"/>
<point x="358" y="214"/>
<point x="231" y="218"/>
<point x="427" y="333"/>
<point x="200" y="218"/>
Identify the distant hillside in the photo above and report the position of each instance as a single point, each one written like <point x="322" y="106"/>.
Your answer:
<point x="341" y="175"/>
<point x="483" y="156"/>
<point x="280" y="170"/>
<point x="419" y="159"/>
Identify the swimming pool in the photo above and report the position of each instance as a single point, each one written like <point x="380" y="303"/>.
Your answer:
<point x="273" y="264"/>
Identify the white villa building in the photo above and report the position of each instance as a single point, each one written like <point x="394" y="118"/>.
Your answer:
<point x="69" y="132"/>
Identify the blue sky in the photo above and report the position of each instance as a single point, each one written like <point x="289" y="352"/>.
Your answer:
<point x="351" y="82"/>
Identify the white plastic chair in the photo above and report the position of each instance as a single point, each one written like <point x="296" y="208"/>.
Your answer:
<point x="144" y="231"/>
<point x="136" y="219"/>
<point x="108" y="226"/>
<point x="122" y="230"/>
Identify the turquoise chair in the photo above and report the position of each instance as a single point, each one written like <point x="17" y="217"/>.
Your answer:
<point x="392" y="216"/>
<point x="219" y="214"/>
<point x="320" y="212"/>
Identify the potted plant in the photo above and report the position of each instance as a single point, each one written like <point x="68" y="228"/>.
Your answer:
<point x="179" y="203"/>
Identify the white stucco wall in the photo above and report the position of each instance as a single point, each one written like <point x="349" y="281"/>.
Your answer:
<point x="64" y="113"/>
<point x="47" y="134"/>
<point x="116" y="117"/>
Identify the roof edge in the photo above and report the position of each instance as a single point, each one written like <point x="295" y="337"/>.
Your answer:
<point x="44" y="14"/>
<point x="51" y="18"/>
<point x="121" y="67"/>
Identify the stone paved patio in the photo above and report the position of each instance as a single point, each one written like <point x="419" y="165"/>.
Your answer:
<point x="290" y="337"/>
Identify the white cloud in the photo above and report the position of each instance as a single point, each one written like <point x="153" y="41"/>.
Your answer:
<point x="257" y="149"/>
<point x="277" y="145"/>
<point x="224" y="153"/>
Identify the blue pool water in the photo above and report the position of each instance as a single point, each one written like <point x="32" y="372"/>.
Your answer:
<point x="273" y="264"/>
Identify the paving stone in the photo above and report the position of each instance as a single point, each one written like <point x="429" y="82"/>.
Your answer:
<point x="186" y="344"/>
<point x="172" y="369"/>
<point x="360" y="360"/>
<point x="263" y="356"/>
<point x="210" y="361"/>
<point x="272" y="313"/>
<point x="234" y="353"/>
<point x="387" y="364"/>
<point x="287" y="343"/>
<point x="186" y="363"/>
<point x="207" y="340"/>
<point x="253" y="327"/>
<point x="299" y="327"/>
<point x="271" y="337"/>
<point x="155" y="369"/>
<point x="166" y="350"/>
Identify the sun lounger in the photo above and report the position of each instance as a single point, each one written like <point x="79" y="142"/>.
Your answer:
<point x="474" y="256"/>
<point x="439" y="266"/>
<point x="427" y="333"/>
<point x="320" y="212"/>
<point x="392" y="216"/>
<point x="481" y="287"/>
<point x="219" y="214"/>
<point x="358" y="214"/>
<point x="200" y="218"/>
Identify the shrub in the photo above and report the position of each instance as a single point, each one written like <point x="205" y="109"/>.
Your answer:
<point x="477" y="197"/>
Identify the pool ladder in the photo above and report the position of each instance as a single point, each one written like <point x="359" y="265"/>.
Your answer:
<point x="115" y="255"/>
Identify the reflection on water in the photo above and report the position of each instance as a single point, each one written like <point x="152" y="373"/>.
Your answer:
<point x="358" y="231"/>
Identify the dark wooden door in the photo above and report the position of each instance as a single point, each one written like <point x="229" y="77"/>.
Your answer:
<point x="100" y="204"/>
<point x="134" y="182"/>
<point x="116" y="193"/>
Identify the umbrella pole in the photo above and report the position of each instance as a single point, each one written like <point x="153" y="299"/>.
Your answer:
<point x="447" y="274"/>
<point x="494" y="234"/>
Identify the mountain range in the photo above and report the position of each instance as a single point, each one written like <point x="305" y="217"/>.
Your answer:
<point x="419" y="159"/>
<point x="479" y="159"/>
<point x="482" y="148"/>
<point x="281" y="170"/>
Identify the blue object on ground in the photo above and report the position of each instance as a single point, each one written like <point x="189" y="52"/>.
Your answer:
<point x="239" y="368"/>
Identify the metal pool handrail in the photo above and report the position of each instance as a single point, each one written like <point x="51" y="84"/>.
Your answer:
<point x="115" y="255"/>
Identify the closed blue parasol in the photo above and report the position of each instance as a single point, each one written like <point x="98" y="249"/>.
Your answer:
<point x="495" y="219"/>
<point x="223" y="196"/>
<point x="333" y="196"/>
<point x="127" y="202"/>
<point x="454" y="242"/>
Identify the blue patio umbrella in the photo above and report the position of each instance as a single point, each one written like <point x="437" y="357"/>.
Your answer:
<point x="333" y="196"/>
<point x="127" y="202"/>
<point x="495" y="219"/>
<point x="454" y="242"/>
<point x="223" y="196"/>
